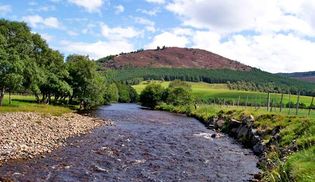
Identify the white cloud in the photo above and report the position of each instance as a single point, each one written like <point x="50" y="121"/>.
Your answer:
<point x="271" y="52"/>
<point x="149" y="25"/>
<point x="72" y="33"/>
<point x="38" y="21"/>
<point x="273" y="35"/>
<point x="175" y="38"/>
<point x="97" y="49"/>
<point x="119" y="9"/>
<point x="47" y="37"/>
<point x="156" y="1"/>
<point x="227" y="16"/>
<point x="119" y="33"/>
<point x="4" y="9"/>
<point x="151" y="12"/>
<point x="42" y="8"/>
<point x="89" y="5"/>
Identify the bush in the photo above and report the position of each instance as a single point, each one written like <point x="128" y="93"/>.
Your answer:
<point x="127" y="94"/>
<point x="179" y="96"/>
<point x="152" y="95"/>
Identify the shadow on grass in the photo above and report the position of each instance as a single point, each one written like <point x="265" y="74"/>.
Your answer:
<point x="25" y="100"/>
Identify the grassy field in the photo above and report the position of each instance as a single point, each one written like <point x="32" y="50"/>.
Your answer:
<point x="207" y="91"/>
<point x="22" y="103"/>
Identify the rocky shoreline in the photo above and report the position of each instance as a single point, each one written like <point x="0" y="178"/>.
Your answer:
<point x="24" y="135"/>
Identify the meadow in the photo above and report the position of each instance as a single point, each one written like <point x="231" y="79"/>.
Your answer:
<point x="27" y="103"/>
<point x="207" y="93"/>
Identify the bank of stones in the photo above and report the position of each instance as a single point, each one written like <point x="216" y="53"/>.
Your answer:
<point x="25" y="135"/>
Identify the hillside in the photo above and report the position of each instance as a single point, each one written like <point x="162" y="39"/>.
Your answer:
<point x="306" y="76"/>
<point x="172" y="57"/>
<point x="196" y="65"/>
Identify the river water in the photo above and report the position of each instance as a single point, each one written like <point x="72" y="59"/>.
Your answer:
<point x="143" y="145"/>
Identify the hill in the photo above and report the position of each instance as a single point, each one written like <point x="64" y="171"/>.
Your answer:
<point x="305" y="76"/>
<point x="196" y="65"/>
<point x="172" y="57"/>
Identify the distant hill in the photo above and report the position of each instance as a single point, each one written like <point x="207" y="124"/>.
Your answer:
<point x="306" y="76"/>
<point x="172" y="57"/>
<point x="196" y="65"/>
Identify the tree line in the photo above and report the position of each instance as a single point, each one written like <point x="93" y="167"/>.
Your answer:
<point x="28" y="64"/>
<point x="255" y="80"/>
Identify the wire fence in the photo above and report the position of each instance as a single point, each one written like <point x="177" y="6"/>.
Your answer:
<point x="282" y="103"/>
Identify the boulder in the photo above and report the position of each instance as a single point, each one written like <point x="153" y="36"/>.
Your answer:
<point x="219" y="123"/>
<point x="249" y="120"/>
<point x="259" y="148"/>
<point x="234" y="123"/>
<point x="242" y="132"/>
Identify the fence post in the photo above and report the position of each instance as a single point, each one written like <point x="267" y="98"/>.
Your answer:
<point x="246" y="102"/>
<point x="289" y="103"/>
<point x="281" y="102"/>
<point x="271" y="105"/>
<point x="298" y="104"/>
<point x="238" y="101"/>
<point x="268" y="102"/>
<point x="311" y="106"/>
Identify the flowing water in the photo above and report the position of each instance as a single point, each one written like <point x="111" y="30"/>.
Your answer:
<point x="143" y="145"/>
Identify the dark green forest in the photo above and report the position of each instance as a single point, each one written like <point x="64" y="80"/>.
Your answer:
<point x="252" y="80"/>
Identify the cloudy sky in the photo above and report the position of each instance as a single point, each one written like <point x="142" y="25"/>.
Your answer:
<point x="273" y="35"/>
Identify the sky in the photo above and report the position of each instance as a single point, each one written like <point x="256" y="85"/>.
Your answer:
<point x="273" y="35"/>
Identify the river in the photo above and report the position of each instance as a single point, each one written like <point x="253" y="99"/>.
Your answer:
<point x="143" y="145"/>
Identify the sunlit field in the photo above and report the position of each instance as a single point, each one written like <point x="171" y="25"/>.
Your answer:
<point x="26" y="103"/>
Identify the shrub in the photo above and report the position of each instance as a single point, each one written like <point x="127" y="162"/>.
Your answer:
<point x="152" y="95"/>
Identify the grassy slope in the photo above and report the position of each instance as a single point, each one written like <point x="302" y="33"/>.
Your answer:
<point x="206" y="91"/>
<point x="27" y="104"/>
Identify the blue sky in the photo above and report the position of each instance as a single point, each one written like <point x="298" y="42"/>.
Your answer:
<point x="273" y="35"/>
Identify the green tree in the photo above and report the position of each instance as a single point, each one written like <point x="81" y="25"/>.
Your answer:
<point x="13" y="81"/>
<point x="111" y="94"/>
<point x="15" y="48"/>
<point x="179" y="96"/>
<point x="86" y="82"/>
<point x="152" y="95"/>
<point x="126" y="93"/>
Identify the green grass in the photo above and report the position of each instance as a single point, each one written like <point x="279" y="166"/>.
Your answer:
<point x="204" y="91"/>
<point x="301" y="165"/>
<point x="21" y="103"/>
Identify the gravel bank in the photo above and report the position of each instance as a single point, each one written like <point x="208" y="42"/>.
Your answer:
<point x="25" y="135"/>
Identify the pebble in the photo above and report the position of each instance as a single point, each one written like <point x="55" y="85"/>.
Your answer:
<point x="27" y="134"/>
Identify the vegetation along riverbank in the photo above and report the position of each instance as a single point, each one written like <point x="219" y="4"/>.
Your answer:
<point x="284" y="143"/>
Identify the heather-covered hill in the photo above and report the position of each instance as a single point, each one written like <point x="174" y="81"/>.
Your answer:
<point x="173" y="57"/>
<point x="306" y="76"/>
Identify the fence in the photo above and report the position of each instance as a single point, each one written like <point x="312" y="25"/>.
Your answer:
<point x="271" y="102"/>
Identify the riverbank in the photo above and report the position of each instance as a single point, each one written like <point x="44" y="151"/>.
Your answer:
<point x="24" y="135"/>
<point x="144" y="145"/>
<point x="285" y="144"/>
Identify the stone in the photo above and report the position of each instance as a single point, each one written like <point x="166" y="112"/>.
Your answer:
<point x="219" y="124"/>
<point x="242" y="132"/>
<point x="234" y="123"/>
<point x="259" y="148"/>
<point x="21" y="135"/>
